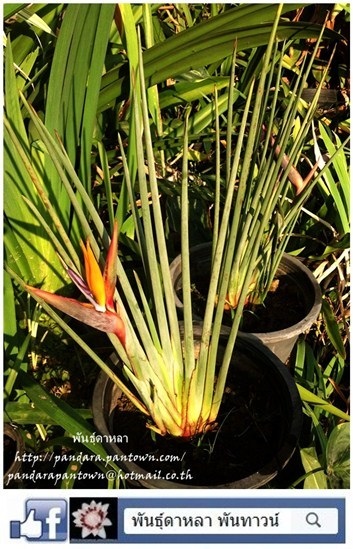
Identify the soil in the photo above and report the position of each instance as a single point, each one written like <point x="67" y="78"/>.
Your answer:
<point x="282" y="308"/>
<point x="251" y="427"/>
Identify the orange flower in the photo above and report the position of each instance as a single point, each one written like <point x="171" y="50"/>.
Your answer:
<point x="98" y="288"/>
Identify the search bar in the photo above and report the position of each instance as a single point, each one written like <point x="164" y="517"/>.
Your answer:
<point x="231" y="520"/>
<point x="220" y="521"/>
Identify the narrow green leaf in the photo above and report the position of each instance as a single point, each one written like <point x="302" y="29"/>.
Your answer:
<point x="10" y="330"/>
<point x="23" y="78"/>
<point x="34" y="20"/>
<point x="9" y="10"/>
<point x="332" y="328"/>
<point x="191" y="91"/>
<point x="107" y="182"/>
<point x="25" y="43"/>
<point x="23" y="413"/>
<point x="16" y="255"/>
<point x="101" y="23"/>
<point x="12" y="105"/>
<point x="152" y="92"/>
<point x="337" y="178"/>
<point x="60" y="412"/>
<point x="34" y="245"/>
<point x="300" y="358"/>
<point x="19" y="362"/>
<point x="200" y="46"/>
<point x="311" y="398"/>
<point x="130" y="42"/>
<point x="71" y="103"/>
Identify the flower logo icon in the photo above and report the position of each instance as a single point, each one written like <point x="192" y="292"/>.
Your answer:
<point x="92" y="518"/>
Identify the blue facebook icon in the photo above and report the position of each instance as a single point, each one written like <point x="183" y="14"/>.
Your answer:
<point x="45" y="520"/>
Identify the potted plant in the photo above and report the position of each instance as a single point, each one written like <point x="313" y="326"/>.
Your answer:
<point x="175" y="375"/>
<point x="282" y="315"/>
<point x="261" y="193"/>
<point x="258" y="426"/>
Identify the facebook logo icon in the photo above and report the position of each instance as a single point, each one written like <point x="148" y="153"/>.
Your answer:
<point x="45" y="520"/>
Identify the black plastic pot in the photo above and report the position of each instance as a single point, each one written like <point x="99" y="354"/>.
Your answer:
<point x="259" y="429"/>
<point x="280" y="341"/>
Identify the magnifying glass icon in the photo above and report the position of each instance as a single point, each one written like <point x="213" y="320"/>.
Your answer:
<point x="313" y="519"/>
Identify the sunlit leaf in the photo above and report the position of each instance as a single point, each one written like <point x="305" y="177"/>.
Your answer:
<point x="310" y="461"/>
<point x="338" y="456"/>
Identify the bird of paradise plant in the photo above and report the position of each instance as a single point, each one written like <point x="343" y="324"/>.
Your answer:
<point x="270" y="190"/>
<point x="168" y="376"/>
<point x="177" y="383"/>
